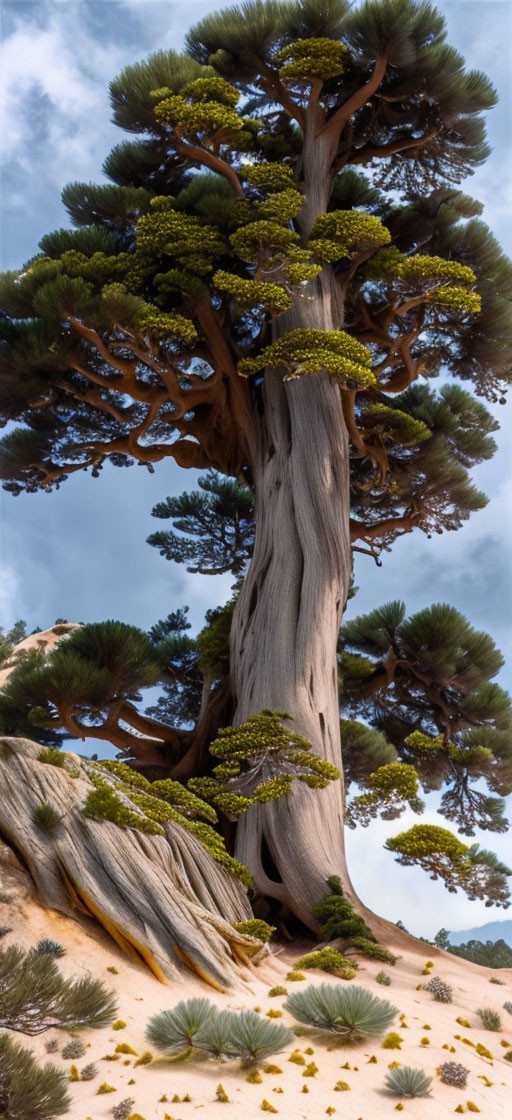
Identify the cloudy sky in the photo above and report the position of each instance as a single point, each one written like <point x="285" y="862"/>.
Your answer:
<point x="80" y="554"/>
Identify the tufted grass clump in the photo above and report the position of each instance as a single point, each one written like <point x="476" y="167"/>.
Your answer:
<point x="89" y="1072"/>
<point x="491" y="1020"/>
<point x="73" y="1049"/>
<point x="408" y="1082"/>
<point x="122" y="1111"/>
<point x="213" y="1038"/>
<point x="34" y="995"/>
<point x="46" y="945"/>
<point x="383" y="978"/>
<point x="329" y="960"/>
<point x="254" y="1039"/>
<point x="29" y="1091"/>
<point x="372" y="950"/>
<point x="46" y="818"/>
<point x="352" y="1013"/>
<point x="441" y="991"/>
<point x="453" y="1073"/>
<point x="174" y="1031"/>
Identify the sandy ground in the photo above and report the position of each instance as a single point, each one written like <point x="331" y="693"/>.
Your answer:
<point x="292" y="1094"/>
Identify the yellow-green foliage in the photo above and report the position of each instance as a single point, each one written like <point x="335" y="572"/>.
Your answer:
<point x="221" y="1095"/>
<point x="74" y="1074"/>
<point x="483" y="1051"/>
<point x="295" y="976"/>
<point x="420" y="743"/>
<point x="254" y="1077"/>
<point x="145" y="1059"/>
<point x="240" y="749"/>
<point x="268" y="177"/>
<point x="341" y="233"/>
<point x="306" y="350"/>
<point x="456" y="299"/>
<point x="270" y="1068"/>
<point x="52" y="757"/>
<point x="312" y="58"/>
<point x="119" y="1025"/>
<point x="329" y="960"/>
<point x="392" y="1041"/>
<point x="278" y="991"/>
<point x="212" y="89"/>
<point x="297" y="1058"/>
<point x="267" y="1107"/>
<point x="341" y="1087"/>
<point x="393" y="424"/>
<point x="428" y="840"/>
<point x="266" y="233"/>
<point x="463" y="1022"/>
<point x="124" y="1048"/>
<point x="198" y="116"/>
<point x="255" y="927"/>
<point x="103" y="804"/>
<point x="311" y="1070"/>
<point x="251" y="293"/>
<point x="105" y="1088"/>
<point x="274" y="1013"/>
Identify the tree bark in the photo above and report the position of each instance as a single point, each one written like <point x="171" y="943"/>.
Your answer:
<point x="286" y="622"/>
<point x="163" y="898"/>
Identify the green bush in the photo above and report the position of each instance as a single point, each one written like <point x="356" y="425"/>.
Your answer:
<point x="329" y="960"/>
<point x="372" y="950"/>
<point x="490" y="1019"/>
<point x="253" y="1039"/>
<point x="34" y="996"/>
<point x="383" y="978"/>
<point x="408" y="1082"/>
<point x="174" y="1031"/>
<point x="336" y="914"/>
<point x="350" y="1012"/>
<point x="45" y="817"/>
<point x="255" y="927"/>
<point x="214" y="1038"/>
<point x="29" y="1091"/>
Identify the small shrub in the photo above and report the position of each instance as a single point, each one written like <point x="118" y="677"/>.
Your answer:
<point x="255" y="928"/>
<point x="274" y="1013"/>
<point x="392" y="1041"/>
<point x="372" y="950"/>
<point x="483" y="1051"/>
<point x="329" y="960"/>
<point x="269" y="1068"/>
<point x="490" y="1019"/>
<point x="494" y="980"/>
<point x="124" y="1048"/>
<point x="105" y="1088"/>
<point x="462" y="1022"/>
<point x="45" y="817"/>
<point x="46" y="945"/>
<point x="280" y="991"/>
<point x="408" y="1082"/>
<point x="254" y="1077"/>
<point x="311" y="1070"/>
<point x="51" y="756"/>
<point x="144" y="1059"/>
<point x="294" y="975"/>
<point x="221" y="1095"/>
<point x="29" y="1091"/>
<point x="174" y="1031"/>
<point x="253" y="1039"/>
<point x="351" y="1012"/>
<point x="341" y="1087"/>
<point x="383" y="978"/>
<point x="507" y="1006"/>
<point x="297" y="1058"/>
<point x="336" y="914"/>
<point x="74" y="1074"/>
<point x="89" y="1072"/>
<point x="214" y="1037"/>
<point x="267" y="1107"/>
<point x="122" y="1110"/>
<point x="119" y="1025"/>
<point x="453" y="1073"/>
<point x="34" y="996"/>
<point x="52" y="1046"/>
<point x="441" y="991"/>
<point x="73" y="1049"/>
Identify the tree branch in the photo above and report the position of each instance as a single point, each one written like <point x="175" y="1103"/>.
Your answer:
<point x="342" y="115"/>
<point x="208" y="159"/>
<point x="370" y="153"/>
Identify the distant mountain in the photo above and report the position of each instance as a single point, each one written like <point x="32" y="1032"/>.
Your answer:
<point x="491" y="931"/>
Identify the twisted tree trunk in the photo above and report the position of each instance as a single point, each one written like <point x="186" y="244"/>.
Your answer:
<point x="163" y="898"/>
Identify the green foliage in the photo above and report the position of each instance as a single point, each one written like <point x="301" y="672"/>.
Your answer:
<point x="490" y="954"/>
<point x="29" y="1091"/>
<point x="490" y="1019"/>
<point x="46" y="945"/>
<point x="477" y="872"/>
<point x="46" y="817"/>
<point x="329" y="960"/>
<point x="372" y="950"/>
<point x="255" y="927"/>
<point x="174" y="1031"/>
<point x="337" y="916"/>
<point x="392" y="1041"/>
<point x="34" y="996"/>
<point x="408" y="1082"/>
<point x="103" y="804"/>
<point x="254" y="1039"/>
<point x="341" y="233"/>
<point x="259" y="761"/>
<point x="305" y="350"/>
<point x="53" y="757"/>
<point x="392" y="788"/>
<point x="218" y="523"/>
<point x="352" y="1013"/>
<point x="384" y="979"/>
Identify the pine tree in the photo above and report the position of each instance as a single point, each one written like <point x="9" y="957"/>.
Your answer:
<point x="238" y="298"/>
